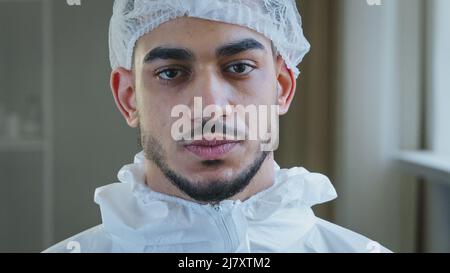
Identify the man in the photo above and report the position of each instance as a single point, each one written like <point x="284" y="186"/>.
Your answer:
<point x="205" y="189"/>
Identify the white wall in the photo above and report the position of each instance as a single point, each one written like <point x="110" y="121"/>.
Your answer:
<point x="437" y="193"/>
<point x="375" y="73"/>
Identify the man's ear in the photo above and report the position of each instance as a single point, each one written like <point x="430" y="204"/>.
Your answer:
<point x="122" y="87"/>
<point x="286" y="86"/>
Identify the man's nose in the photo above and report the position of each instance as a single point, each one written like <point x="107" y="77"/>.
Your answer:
<point x="212" y="89"/>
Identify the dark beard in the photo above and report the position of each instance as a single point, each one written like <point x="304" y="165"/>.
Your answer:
<point x="205" y="192"/>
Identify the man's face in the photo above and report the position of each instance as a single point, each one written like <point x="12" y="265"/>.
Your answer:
<point x="223" y="64"/>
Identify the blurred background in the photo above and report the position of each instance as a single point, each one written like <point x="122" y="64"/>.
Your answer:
<point x="371" y="111"/>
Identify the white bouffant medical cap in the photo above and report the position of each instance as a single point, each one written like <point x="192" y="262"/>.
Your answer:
<point x="278" y="20"/>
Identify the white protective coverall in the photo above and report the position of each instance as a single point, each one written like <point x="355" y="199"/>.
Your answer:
<point x="278" y="219"/>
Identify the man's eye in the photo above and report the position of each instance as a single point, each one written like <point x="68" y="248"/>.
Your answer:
<point x="169" y="74"/>
<point x="240" y="68"/>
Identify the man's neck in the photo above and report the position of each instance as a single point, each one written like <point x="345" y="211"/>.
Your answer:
<point x="263" y="179"/>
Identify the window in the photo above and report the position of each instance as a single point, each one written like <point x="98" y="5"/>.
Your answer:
<point x="439" y="80"/>
<point x="434" y="162"/>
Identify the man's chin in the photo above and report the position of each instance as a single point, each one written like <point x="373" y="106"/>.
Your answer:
<point x="214" y="182"/>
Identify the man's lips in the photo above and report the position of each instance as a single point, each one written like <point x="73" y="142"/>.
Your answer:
<point x="210" y="149"/>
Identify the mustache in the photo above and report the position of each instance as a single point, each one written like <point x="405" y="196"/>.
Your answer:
<point x="216" y="127"/>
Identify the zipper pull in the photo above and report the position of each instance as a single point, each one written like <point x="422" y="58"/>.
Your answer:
<point x="217" y="207"/>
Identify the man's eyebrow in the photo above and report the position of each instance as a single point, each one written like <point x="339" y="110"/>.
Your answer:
<point x="166" y="53"/>
<point x="237" y="47"/>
